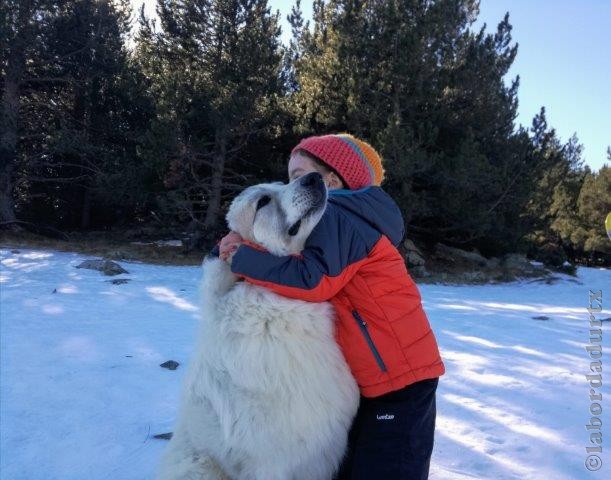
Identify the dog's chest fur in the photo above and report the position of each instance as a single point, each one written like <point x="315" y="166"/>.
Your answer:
<point x="271" y="374"/>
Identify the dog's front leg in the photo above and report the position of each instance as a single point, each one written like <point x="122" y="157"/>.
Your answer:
<point x="217" y="278"/>
<point x="189" y="466"/>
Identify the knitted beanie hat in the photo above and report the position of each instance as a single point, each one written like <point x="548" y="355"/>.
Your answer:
<point x="356" y="161"/>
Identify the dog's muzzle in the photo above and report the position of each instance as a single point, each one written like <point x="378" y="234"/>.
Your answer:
<point x="316" y="187"/>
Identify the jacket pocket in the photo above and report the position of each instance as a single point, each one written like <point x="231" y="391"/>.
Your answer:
<point x="363" y="326"/>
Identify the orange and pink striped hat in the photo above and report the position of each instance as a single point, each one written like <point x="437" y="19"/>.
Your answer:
<point x="356" y="161"/>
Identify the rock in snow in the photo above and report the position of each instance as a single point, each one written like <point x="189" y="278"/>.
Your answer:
<point x="107" y="267"/>
<point x="170" y="365"/>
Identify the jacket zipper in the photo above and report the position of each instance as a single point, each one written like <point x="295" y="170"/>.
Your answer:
<point x="363" y="326"/>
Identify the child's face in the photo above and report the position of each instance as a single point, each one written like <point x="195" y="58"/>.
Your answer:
<point x="300" y="164"/>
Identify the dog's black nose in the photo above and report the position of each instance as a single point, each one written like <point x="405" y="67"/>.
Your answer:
<point x="312" y="179"/>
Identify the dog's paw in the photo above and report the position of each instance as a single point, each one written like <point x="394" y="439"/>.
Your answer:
<point x="217" y="276"/>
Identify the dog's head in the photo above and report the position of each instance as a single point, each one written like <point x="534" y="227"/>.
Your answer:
<point x="280" y="217"/>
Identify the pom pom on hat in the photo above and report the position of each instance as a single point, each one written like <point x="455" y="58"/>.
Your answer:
<point x="353" y="159"/>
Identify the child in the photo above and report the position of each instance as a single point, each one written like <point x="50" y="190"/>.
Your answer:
<point x="351" y="259"/>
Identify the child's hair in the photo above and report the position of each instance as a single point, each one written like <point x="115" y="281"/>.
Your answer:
<point x="323" y="166"/>
<point x="354" y="160"/>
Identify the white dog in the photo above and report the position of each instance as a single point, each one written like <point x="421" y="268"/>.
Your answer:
<point x="268" y="394"/>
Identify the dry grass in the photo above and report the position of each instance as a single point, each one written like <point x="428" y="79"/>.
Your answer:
<point x="103" y="245"/>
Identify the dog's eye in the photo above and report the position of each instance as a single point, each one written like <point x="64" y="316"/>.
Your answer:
<point x="295" y="228"/>
<point x="264" y="200"/>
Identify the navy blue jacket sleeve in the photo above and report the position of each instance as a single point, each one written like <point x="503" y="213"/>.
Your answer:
<point x="329" y="259"/>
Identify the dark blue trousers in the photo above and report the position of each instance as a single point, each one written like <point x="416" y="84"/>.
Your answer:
<point x="391" y="437"/>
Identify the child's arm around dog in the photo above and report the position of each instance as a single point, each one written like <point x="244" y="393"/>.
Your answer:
<point x="335" y="249"/>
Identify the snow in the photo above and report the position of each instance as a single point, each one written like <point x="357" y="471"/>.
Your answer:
<point x="82" y="393"/>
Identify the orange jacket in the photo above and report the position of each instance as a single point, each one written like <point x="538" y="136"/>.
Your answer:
<point x="349" y="260"/>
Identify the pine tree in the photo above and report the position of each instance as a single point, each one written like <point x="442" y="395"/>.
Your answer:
<point x="216" y="68"/>
<point x="82" y="113"/>
<point x="593" y="204"/>
<point x="414" y="79"/>
<point x="550" y="215"/>
<point x="96" y="141"/>
<point x="22" y="25"/>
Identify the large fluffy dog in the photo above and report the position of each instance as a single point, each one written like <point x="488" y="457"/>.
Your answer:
<point x="268" y="395"/>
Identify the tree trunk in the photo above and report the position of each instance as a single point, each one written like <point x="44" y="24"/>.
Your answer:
<point x="7" y="204"/>
<point x="86" y="209"/>
<point x="9" y="114"/>
<point x="216" y="181"/>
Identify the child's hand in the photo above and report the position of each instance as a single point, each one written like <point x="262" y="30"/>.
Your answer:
<point x="228" y="245"/>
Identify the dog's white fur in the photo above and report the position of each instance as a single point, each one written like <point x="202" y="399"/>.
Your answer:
<point x="268" y="394"/>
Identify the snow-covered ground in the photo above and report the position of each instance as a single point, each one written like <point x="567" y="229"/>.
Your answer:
<point x="82" y="393"/>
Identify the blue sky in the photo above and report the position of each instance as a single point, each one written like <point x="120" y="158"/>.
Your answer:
<point x="564" y="63"/>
